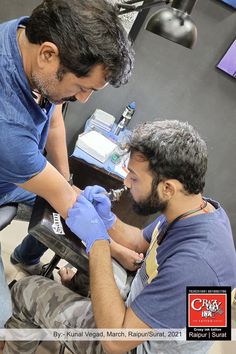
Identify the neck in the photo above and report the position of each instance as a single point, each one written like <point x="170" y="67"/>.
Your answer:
<point x="26" y="52"/>
<point x="183" y="204"/>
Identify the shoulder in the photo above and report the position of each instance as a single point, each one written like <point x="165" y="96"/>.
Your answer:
<point x="153" y="229"/>
<point x="7" y="31"/>
<point x="202" y="246"/>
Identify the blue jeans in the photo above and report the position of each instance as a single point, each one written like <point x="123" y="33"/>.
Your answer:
<point x="5" y="297"/>
<point x="28" y="252"/>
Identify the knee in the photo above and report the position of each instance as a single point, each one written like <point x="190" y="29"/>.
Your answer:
<point x="16" y="290"/>
<point x="23" y="293"/>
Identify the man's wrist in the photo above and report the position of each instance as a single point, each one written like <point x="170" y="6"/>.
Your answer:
<point x="98" y="245"/>
<point x="116" y="249"/>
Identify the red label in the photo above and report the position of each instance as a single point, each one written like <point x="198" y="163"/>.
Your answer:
<point x="207" y="310"/>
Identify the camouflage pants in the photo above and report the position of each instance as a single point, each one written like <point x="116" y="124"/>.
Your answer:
<point x="39" y="302"/>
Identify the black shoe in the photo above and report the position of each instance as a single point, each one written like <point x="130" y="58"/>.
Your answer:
<point x="33" y="269"/>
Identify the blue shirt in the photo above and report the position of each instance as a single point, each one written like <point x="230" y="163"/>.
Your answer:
<point x="23" y="124"/>
<point x="197" y="251"/>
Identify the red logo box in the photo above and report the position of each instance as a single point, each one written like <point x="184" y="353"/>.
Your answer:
<point x="207" y="310"/>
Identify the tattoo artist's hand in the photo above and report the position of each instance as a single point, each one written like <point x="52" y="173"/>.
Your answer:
<point x="85" y="222"/>
<point x="130" y="259"/>
<point x="102" y="204"/>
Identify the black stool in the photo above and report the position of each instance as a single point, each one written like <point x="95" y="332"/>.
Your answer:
<point x="7" y="214"/>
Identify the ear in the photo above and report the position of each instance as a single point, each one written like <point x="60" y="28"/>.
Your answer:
<point x="167" y="189"/>
<point x="48" y="53"/>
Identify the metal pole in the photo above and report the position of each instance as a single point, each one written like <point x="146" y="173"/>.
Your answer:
<point x="184" y="5"/>
<point x="127" y="7"/>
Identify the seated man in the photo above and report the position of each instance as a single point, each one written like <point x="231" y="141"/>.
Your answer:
<point x="189" y="244"/>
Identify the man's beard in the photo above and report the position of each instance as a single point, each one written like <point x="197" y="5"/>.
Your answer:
<point x="151" y="205"/>
<point x="44" y="88"/>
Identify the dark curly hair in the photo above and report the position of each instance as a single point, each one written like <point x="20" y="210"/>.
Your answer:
<point x="174" y="150"/>
<point x="86" y="33"/>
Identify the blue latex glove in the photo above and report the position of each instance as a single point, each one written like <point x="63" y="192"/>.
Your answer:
<point x="85" y="222"/>
<point x="102" y="204"/>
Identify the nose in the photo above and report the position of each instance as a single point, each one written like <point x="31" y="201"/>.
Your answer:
<point x="83" y="97"/>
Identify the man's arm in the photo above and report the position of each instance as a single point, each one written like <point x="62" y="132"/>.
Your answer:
<point x="128" y="258"/>
<point x="51" y="183"/>
<point x="56" y="143"/>
<point x="128" y="236"/>
<point x="108" y="306"/>
<point x="53" y="187"/>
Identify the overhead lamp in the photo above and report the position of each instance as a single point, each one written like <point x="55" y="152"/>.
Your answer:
<point x="172" y="22"/>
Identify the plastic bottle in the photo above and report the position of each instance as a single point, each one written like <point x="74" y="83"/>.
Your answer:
<point x="125" y="118"/>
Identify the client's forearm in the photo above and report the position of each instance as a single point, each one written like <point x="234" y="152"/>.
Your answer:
<point x="128" y="236"/>
<point x="129" y="259"/>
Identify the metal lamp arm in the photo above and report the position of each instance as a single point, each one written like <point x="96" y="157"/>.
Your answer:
<point x="127" y="7"/>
